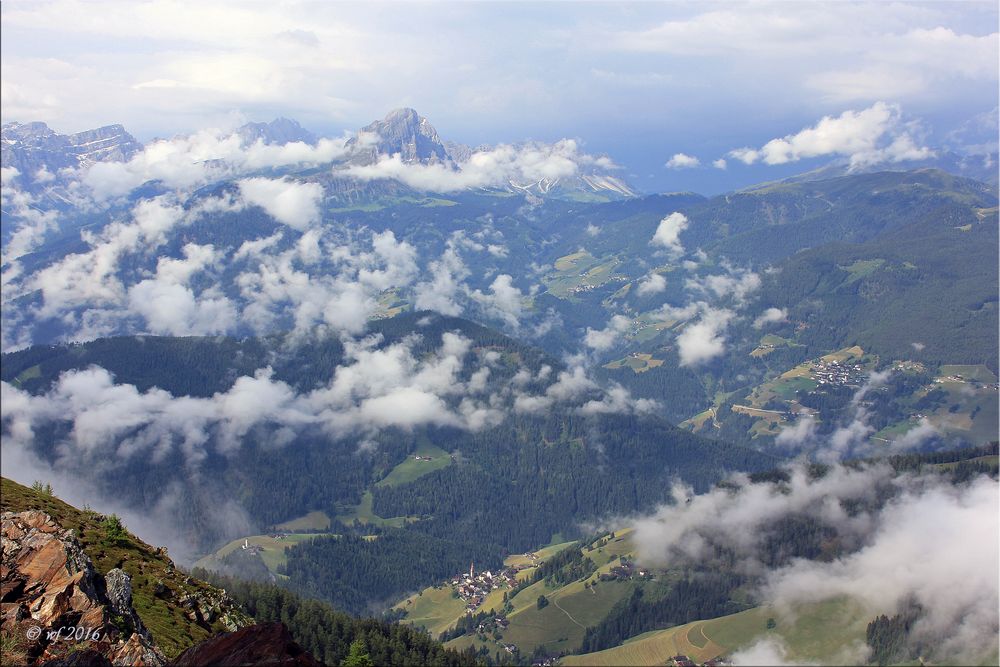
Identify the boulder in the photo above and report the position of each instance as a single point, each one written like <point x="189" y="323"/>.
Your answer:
<point x="263" y="644"/>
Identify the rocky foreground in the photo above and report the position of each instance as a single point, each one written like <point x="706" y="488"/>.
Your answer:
<point x="58" y="610"/>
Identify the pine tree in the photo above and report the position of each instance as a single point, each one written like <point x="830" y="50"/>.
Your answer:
<point x="358" y="656"/>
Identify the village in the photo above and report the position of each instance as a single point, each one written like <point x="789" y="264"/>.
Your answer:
<point x="837" y="374"/>
<point x="473" y="588"/>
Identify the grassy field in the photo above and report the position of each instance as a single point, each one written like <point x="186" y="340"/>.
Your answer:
<point x="561" y="624"/>
<point x="272" y="550"/>
<point x="412" y="469"/>
<point x="862" y="268"/>
<point x="579" y="270"/>
<point x="823" y="632"/>
<point x="364" y="513"/>
<point x="28" y="374"/>
<point x="769" y="344"/>
<point x="310" y="522"/>
<point x="433" y="609"/>
<point x="638" y="362"/>
<point x="976" y="372"/>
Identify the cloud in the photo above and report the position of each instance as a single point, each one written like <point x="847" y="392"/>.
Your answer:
<point x="170" y="308"/>
<point x="877" y="521"/>
<point x="521" y="165"/>
<point x="654" y="283"/>
<point x="872" y="135"/>
<point x="289" y="202"/>
<point x="441" y="292"/>
<point x="770" y="651"/>
<point x="504" y="301"/>
<point x="605" y="339"/>
<point x="682" y="161"/>
<point x="194" y="160"/>
<point x="955" y="583"/>
<point x="667" y="234"/>
<point x="735" y="284"/>
<point x="720" y="163"/>
<point x="802" y="432"/>
<point x="704" y="340"/>
<point x="770" y="316"/>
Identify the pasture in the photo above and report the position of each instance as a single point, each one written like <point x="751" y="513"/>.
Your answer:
<point x="412" y="469"/>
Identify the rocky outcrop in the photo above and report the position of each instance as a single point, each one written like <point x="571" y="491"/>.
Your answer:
<point x="32" y="147"/>
<point x="263" y="644"/>
<point x="51" y="594"/>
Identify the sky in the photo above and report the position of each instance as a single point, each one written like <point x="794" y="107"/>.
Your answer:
<point x="667" y="89"/>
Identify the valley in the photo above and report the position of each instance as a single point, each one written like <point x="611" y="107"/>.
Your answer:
<point x="486" y="402"/>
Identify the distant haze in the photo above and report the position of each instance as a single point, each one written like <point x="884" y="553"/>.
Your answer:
<point x="649" y="84"/>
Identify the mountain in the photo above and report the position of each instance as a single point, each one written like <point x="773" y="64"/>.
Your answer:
<point x="979" y="166"/>
<point x="405" y="132"/>
<point x="32" y="147"/>
<point x="279" y="131"/>
<point x="408" y="134"/>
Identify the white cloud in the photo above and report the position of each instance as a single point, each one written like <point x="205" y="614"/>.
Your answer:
<point x="770" y="316"/>
<point x="880" y="518"/>
<point x="704" y="340"/>
<point x="682" y="161"/>
<point x="504" y="300"/>
<point x="520" y="165"/>
<point x="720" y="163"/>
<point x="289" y="202"/>
<point x="654" y="283"/>
<point x="667" y="234"/>
<point x="736" y="284"/>
<point x="872" y="135"/>
<point x="173" y="309"/>
<point x="801" y="433"/>
<point x="441" y="292"/>
<point x="605" y="339"/>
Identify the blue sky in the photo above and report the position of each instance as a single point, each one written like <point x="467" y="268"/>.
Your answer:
<point x="641" y="82"/>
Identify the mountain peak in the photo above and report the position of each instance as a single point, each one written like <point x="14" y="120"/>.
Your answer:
<point x="281" y="131"/>
<point x="406" y="132"/>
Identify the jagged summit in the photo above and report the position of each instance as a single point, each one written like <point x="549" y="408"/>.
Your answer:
<point x="29" y="147"/>
<point x="281" y="130"/>
<point x="406" y="132"/>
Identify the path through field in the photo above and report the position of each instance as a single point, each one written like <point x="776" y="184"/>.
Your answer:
<point x="556" y="603"/>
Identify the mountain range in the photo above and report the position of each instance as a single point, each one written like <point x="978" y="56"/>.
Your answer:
<point x="352" y="366"/>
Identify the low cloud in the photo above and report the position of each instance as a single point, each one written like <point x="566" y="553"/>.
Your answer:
<point x="289" y="202"/>
<point x="520" y="165"/>
<point x="704" y="340"/>
<point x="872" y="135"/>
<point x="682" y="161"/>
<point x="604" y="339"/>
<point x="770" y="316"/>
<point x="880" y="520"/>
<point x="654" y="283"/>
<point x="188" y="162"/>
<point x="667" y="234"/>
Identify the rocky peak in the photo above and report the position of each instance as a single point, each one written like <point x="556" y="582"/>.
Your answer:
<point x="51" y="594"/>
<point x="406" y="132"/>
<point x="279" y="131"/>
<point x="14" y="132"/>
<point x="31" y="147"/>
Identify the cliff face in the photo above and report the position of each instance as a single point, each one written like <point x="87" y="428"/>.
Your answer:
<point x="119" y="580"/>
<point x="51" y="595"/>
